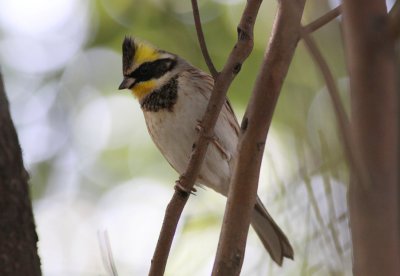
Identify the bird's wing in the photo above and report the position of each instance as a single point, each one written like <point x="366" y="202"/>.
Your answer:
<point x="231" y="116"/>
<point x="227" y="128"/>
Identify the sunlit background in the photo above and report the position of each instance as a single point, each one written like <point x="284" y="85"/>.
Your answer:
<point x="94" y="168"/>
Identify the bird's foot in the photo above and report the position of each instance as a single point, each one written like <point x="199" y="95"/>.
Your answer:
<point x="183" y="190"/>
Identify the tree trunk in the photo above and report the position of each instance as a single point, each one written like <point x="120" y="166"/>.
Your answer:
<point x="18" y="238"/>
<point x="373" y="206"/>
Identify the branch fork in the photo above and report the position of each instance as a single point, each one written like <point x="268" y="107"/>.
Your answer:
<point x="223" y="80"/>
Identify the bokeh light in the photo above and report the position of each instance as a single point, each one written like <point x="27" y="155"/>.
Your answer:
<point x="93" y="165"/>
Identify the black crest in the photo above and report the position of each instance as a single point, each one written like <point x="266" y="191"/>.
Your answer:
<point x="128" y="53"/>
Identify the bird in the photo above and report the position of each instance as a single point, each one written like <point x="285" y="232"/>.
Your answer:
<point x="173" y="95"/>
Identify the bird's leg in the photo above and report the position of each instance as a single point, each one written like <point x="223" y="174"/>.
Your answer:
<point x="199" y="128"/>
<point x="182" y="190"/>
<point x="214" y="139"/>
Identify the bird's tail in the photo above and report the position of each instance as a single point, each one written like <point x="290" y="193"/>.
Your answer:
<point x="274" y="240"/>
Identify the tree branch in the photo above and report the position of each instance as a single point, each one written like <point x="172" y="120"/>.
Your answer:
<point x="374" y="210"/>
<point x="202" y="41"/>
<point x="185" y="184"/>
<point x="326" y="18"/>
<point x="341" y="116"/>
<point x="106" y="253"/>
<point x="18" y="238"/>
<point x="255" y="126"/>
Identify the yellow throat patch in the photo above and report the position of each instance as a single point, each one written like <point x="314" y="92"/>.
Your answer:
<point x="143" y="88"/>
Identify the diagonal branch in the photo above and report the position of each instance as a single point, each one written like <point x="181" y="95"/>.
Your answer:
<point x="18" y="237"/>
<point x="255" y="126"/>
<point x="341" y="116"/>
<point x="185" y="184"/>
<point x="326" y="18"/>
<point x="202" y="41"/>
<point x="107" y="254"/>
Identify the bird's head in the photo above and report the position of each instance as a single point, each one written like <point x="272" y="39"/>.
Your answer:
<point x="145" y="68"/>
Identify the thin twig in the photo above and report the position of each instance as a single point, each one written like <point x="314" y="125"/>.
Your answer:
<point x="321" y="21"/>
<point x="186" y="182"/>
<point x="312" y="198"/>
<point x="341" y="116"/>
<point x="330" y="200"/>
<point x="106" y="253"/>
<point x="202" y="41"/>
<point x="243" y="187"/>
<point x="394" y="20"/>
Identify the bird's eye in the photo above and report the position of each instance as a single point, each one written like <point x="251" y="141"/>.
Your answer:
<point x="167" y="65"/>
<point x="144" y="70"/>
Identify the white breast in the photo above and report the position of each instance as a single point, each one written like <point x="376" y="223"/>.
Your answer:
<point x="175" y="132"/>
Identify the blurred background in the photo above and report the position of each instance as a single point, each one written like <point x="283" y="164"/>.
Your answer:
<point x="94" y="168"/>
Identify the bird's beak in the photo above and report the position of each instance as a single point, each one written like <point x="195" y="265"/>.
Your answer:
<point x="126" y="83"/>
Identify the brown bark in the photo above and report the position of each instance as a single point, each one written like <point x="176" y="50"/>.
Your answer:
<point x="255" y="126"/>
<point x="202" y="41"/>
<point x="184" y="186"/>
<point x="374" y="208"/>
<point x="323" y="20"/>
<point x="394" y="20"/>
<point x="18" y="249"/>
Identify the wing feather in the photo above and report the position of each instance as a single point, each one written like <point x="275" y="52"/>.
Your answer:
<point x="227" y="131"/>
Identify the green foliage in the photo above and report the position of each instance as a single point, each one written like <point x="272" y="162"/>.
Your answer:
<point x="86" y="145"/>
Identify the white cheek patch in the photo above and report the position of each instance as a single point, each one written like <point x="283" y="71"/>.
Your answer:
<point x="162" y="80"/>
